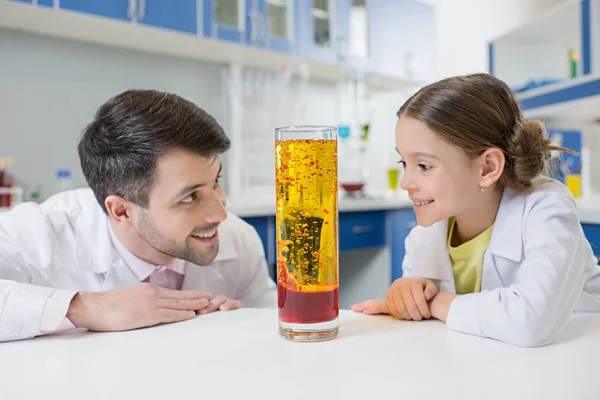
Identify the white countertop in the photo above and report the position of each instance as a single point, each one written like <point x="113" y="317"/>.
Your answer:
<point x="239" y="355"/>
<point x="589" y="207"/>
<point x="263" y="207"/>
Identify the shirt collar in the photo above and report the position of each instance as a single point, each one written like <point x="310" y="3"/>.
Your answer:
<point x="140" y="268"/>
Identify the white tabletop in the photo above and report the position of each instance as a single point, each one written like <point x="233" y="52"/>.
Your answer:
<point x="239" y="355"/>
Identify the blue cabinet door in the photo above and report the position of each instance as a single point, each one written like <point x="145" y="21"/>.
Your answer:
<point x="265" y="226"/>
<point x="405" y="38"/>
<point x="47" y="3"/>
<point x="592" y="233"/>
<point x="271" y="24"/>
<point x="118" y="9"/>
<point x="225" y="24"/>
<point x="261" y="225"/>
<point x="354" y="27"/>
<point x="316" y="30"/>
<point x="400" y="224"/>
<point x="361" y="230"/>
<point x="180" y="15"/>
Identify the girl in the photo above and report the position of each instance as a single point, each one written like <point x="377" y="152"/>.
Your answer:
<point x="499" y="251"/>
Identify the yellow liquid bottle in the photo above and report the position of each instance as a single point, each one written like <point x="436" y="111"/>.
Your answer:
<point x="393" y="178"/>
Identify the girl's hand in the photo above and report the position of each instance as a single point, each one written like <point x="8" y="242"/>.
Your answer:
<point x="440" y="305"/>
<point x="407" y="298"/>
<point x="371" y="307"/>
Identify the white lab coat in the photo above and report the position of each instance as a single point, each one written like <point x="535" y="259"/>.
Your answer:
<point x="64" y="245"/>
<point x="537" y="270"/>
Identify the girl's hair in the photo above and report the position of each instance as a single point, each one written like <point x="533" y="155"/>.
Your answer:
<point x="476" y="112"/>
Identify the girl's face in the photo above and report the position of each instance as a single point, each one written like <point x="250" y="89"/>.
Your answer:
<point x="440" y="178"/>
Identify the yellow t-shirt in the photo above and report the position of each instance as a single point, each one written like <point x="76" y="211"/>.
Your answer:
<point x="467" y="260"/>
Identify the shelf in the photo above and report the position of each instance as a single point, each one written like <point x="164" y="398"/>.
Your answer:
<point x="576" y="99"/>
<point x="559" y="25"/>
<point x="17" y="191"/>
<point x="540" y="49"/>
<point x="126" y="35"/>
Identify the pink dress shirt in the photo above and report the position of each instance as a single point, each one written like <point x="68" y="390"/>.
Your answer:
<point x="168" y="276"/>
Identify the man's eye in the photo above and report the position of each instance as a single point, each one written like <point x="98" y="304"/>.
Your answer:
<point x="190" y="198"/>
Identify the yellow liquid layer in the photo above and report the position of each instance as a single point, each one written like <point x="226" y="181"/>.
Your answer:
<point x="306" y="216"/>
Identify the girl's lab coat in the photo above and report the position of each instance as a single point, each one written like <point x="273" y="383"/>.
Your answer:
<point x="537" y="270"/>
<point x="64" y="246"/>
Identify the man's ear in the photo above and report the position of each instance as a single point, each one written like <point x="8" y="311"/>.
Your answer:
<point x="119" y="209"/>
<point x="492" y="164"/>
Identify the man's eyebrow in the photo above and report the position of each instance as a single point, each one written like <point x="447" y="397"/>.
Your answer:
<point x="189" y="189"/>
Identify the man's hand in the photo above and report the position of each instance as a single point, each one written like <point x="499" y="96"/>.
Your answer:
<point x="134" y="307"/>
<point x="221" y="303"/>
<point x="406" y="299"/>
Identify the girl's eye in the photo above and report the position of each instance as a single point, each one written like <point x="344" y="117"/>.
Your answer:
<point x="403" y="163"/>
<point x="190" y="198"/>
<point x="425" y="167"/>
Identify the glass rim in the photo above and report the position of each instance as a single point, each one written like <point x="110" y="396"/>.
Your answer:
<point x="305" y="128"/>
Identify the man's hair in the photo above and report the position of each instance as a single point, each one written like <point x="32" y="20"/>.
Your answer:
<point x="120" y="148"/>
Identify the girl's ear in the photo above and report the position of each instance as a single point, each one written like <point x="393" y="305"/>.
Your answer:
<point x="492" y="163"/>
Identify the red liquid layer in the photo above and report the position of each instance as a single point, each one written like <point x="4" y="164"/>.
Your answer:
<point x="307" y="307"/>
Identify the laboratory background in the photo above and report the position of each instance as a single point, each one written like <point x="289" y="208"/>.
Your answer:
<point x="259" y="64"/>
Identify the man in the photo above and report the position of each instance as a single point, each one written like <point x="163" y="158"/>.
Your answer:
<point x="114" y="257"/>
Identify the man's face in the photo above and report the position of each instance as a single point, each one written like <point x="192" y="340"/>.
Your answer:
<point x="186" y="205"/>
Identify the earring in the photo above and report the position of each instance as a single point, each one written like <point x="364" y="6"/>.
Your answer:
<point x="482" y="188"/>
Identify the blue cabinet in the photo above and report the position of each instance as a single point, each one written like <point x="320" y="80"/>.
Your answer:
<point x="117" y="9"/>
<point x="316" y="31"/>
<point x="400" y="224"/>
<point x="273" y="21"/>
<point x="404" y="39"/>
<point x="361" y="230"/>
<point x="592" y="233"/>
<point x="265" y="227"/>
<point x="180" y="15"/>
<point x="227" y="20"/>
<point x="355" y="33"/>
<point x="357" y="231"/>
<point x="47" y="3"/>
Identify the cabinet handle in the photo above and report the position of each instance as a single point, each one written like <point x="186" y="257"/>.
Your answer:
<point x="142" y="10"/>
<point x="252" y="19"/>
<point x="262" y="29"/>
<point x="410" y="225"/>
<point x="131" y="9"/>
<point x="362" y="229"/>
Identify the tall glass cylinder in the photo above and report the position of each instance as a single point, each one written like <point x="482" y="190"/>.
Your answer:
<point x="306" y="170"/>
